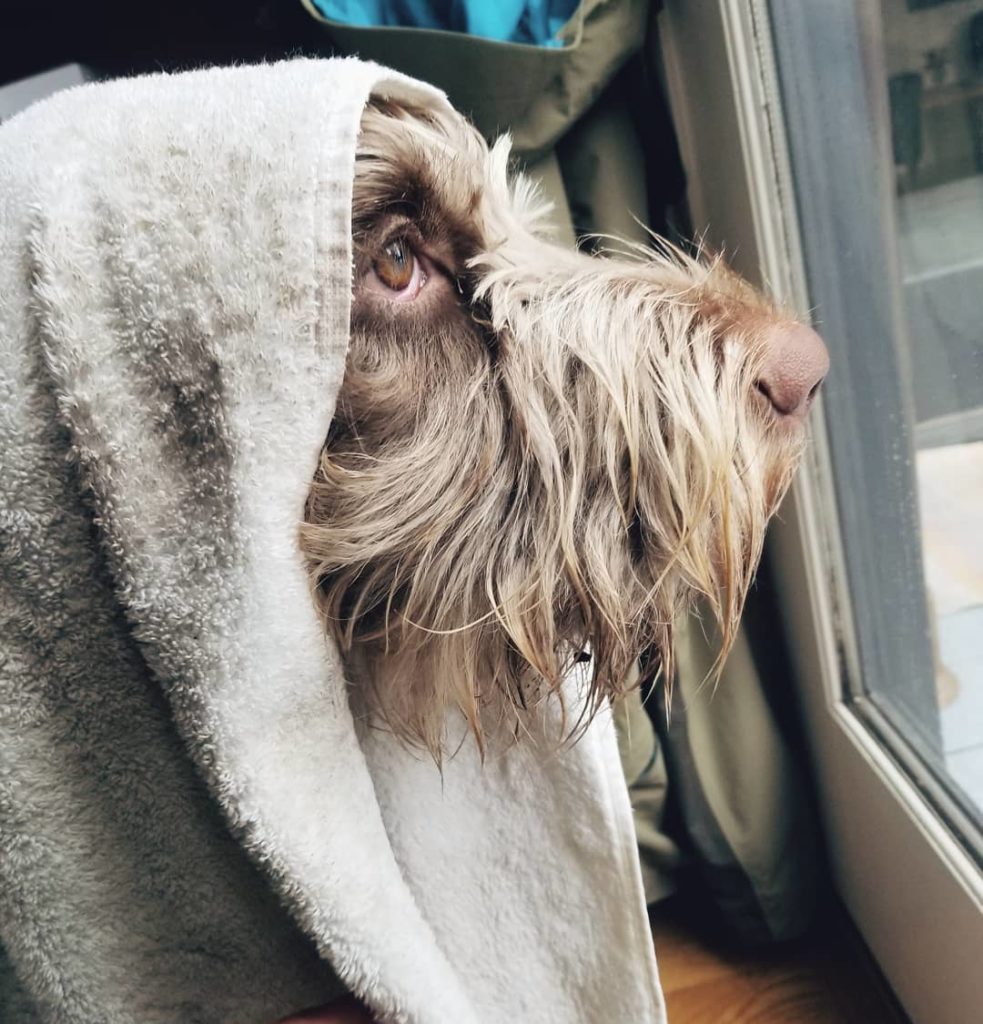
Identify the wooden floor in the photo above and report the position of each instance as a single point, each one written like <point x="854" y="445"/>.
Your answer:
<point x="828" y="978"/>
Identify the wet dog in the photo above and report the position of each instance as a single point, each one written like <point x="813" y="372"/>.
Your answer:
<point x="536" y="452"/>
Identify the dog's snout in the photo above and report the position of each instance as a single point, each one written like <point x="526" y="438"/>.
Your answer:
<point x="794" y="366"/>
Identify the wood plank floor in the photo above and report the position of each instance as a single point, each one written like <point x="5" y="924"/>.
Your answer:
<point x="826" y="978"/>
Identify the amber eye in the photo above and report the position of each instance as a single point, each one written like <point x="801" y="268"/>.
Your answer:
<point x="395" y="266"/>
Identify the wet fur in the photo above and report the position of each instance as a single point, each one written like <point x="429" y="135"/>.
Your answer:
<point x="553" y="453"/>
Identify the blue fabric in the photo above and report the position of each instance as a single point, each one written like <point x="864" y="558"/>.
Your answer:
<point x="534" y="22"/>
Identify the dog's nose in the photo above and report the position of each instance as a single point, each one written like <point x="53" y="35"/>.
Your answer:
<point x="795" y="364"/>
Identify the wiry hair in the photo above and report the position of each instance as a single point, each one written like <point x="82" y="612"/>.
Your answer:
<point x="557" y="465"/>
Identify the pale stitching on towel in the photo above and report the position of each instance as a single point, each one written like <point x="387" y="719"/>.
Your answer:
<point x="331" y="217"/>
<point x="349" y="955"/>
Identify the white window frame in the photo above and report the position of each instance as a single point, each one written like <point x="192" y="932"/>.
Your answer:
<point x="914" y="893"/>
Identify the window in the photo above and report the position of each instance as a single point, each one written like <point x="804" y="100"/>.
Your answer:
<point x="933" y="63"/>
<point x="887" y="155"/>
<point x="837" y="148"/>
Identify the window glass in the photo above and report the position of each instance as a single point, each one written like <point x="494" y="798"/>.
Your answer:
<point x="934" y="66"/>
<point x="883" y="111"/>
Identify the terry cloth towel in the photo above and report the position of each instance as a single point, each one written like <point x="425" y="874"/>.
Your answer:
<point x="191" y="829"/>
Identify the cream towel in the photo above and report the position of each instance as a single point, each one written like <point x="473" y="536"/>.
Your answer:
<point x="190" y="828"/>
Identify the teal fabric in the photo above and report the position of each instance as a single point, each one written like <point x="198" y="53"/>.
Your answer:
<point x="534" y="93"/>
<point x="535" y="22"/>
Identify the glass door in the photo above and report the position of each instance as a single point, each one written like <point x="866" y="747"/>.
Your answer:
<point x="885" y="131"/>
<point x="835" y="147"/>
<point x="933" y="62"/>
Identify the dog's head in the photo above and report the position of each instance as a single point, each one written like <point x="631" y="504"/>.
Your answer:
<point x="536" y="452"/>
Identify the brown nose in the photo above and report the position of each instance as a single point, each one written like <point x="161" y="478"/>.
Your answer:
<point x="795" y="363"/>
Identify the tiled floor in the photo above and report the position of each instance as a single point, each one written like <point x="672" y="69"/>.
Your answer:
<point x="933" y="223"/>
<point x="950" y="480"/>
<point x="942" y="256"/>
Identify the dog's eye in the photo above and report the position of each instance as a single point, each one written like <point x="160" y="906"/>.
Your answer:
<point x="396" y="265"/>
<point x="398" y="269"/>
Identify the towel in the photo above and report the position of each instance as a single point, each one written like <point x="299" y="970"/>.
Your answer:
<point x="192" y="829"/>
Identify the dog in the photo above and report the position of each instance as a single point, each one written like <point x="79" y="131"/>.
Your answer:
<point x="538" y="455"/>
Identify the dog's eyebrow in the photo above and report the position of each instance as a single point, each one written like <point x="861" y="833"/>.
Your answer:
<point x="404" y="205"/>
<point x="421" y="194"/>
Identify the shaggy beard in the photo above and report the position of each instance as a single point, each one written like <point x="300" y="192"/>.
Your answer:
<point x="493" y="501"/>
